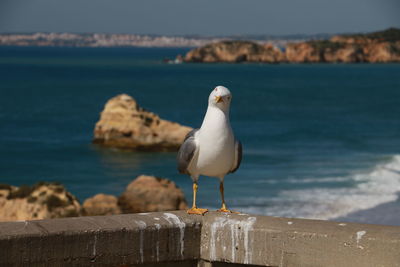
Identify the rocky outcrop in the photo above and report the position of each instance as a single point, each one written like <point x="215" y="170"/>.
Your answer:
<point x="345" y="54"/>
<point x="41" y="201"/>
<point x="124" y="124"/>
<point x="347" y="51"/>
<point x="51" y="200"/>
<point x="235" y="51"/>
<point x="149" y="193"/>
<point x="382" y="52"/>
<point x="378" y="47"/>
<point x="323" y="51"/>
<point x="302" y="52"/>
<point x="101" y="204"/>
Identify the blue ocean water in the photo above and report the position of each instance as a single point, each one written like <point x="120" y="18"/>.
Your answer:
<point x="320" y="141"/>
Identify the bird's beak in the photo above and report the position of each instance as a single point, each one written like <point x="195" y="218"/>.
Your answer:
<point x="218" y="99"/>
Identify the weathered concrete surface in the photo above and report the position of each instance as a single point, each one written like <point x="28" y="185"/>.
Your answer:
<point x="271" y="241"/>
<point x="177" y="239"/>
<point x="203" y="263"/>
<point x="116" y="240"/>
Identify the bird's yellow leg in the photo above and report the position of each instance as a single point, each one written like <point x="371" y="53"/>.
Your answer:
<point x="195" y="209"/>
<point x="223" y="208"/>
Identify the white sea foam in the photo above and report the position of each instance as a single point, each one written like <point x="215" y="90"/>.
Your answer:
<point x="372" y="188"/>
<point x="311" y="180"/>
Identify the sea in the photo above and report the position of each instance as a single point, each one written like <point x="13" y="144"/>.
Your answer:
<point x="320" y="141"/>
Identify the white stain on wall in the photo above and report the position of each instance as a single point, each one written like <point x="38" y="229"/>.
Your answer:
<point x="174" y="220"/>
<point x="236" y="233"/>
<point x="158" y="227"/>
<point x="360" y="234"/>
<point x="142" y="226"/>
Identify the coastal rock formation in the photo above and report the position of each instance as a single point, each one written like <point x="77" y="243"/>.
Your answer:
<point x="149" y="193"/>
<point x="323" y="51"/>
<point x="377" y="47"/>
<point x="101" y="204"/>
<point x="346" y="52"/>
<point x="383" y="52"/>
<point x="235" y="51"/>
<point x="51" y="200"/>
<point x="41" y="201"/>
<point x="124" y="124"/>
<point x="302" y="52"/>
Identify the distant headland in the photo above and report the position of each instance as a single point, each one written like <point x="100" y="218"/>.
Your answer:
<point x="135" y="40"/>
<point x="376" y="47"/>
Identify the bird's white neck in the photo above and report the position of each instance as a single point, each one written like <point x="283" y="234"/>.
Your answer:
<point x="216" y="118"/>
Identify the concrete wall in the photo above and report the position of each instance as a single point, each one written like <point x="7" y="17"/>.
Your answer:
<point x="270" y="241"/>
<point x="101" y="241"/>
<point x="177" y="239"/>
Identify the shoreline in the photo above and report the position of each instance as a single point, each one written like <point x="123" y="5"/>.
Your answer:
<point x="383" y="214"/>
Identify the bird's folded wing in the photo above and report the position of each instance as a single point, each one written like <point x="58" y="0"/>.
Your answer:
<point x="186" y="152"/>
<point x="238" y="156"/>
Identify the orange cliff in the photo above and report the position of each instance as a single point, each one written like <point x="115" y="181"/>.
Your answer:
<point x="234" y="52"/>
<point x="377" y="47"/>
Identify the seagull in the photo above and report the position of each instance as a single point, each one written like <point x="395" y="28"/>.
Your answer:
<point x="211" y="150"/>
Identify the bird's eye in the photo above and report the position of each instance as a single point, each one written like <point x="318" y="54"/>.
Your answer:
<point x="216" y="89"/>
<point x="229" y="98"/>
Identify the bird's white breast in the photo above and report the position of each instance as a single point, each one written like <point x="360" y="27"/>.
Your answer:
<point x="216" y="145"/>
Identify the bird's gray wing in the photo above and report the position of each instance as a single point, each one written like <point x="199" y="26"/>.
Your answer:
<point x="186" y="152"/>
<point x="238" y="156"/>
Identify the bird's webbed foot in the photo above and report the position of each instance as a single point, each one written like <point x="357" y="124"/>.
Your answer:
<point x="223" y="209"/>
<point x="198" y="211"/>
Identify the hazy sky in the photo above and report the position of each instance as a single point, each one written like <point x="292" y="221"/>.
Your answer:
<point x="205" y="17"/>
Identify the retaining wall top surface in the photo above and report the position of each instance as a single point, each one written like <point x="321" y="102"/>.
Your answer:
<point x="98" y="223"/>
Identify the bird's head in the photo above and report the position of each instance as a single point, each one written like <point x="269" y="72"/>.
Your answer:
<point x="220" y="97"/>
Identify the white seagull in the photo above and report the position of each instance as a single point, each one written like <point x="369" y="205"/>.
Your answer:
<point x="211" y="150"/>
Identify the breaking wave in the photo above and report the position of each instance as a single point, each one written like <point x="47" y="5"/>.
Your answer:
<point x="378" y="186"/>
